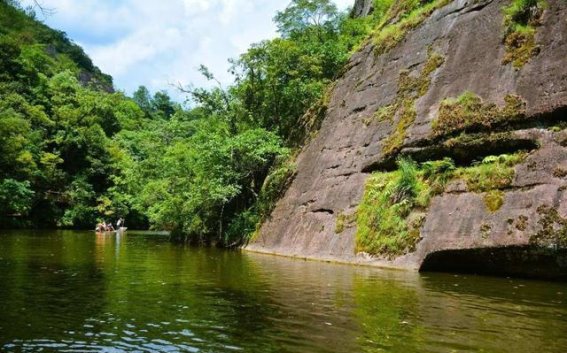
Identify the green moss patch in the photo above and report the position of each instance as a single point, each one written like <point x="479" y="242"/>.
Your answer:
<point x="344" y="221"/>
<point x="410" y="88"/>
<point x="391" y="213"/>
<point x="494" y="200"/>
<point x="521" y="20"/>
<point x="392" y="210"/>
<point x="401" y="18"/>
<point x="493" y="173"/>
<point x="553" y="228"/>
<point x="389" y="198"/>
<point x="468" y="113"/>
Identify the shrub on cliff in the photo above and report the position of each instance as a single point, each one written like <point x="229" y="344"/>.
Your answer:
<point x="521" y="19"/>
<point x="392" y="209"/>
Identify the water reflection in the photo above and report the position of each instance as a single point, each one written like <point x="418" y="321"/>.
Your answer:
<point x="73" y="291"/>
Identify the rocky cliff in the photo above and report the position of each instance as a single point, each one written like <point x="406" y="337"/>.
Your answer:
<point x="446" y="89"/>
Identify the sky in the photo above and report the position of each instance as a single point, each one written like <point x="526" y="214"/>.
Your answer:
<point x="160" y="44"/>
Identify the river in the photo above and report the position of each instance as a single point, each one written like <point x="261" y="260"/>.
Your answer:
<point x="70" y="291"/>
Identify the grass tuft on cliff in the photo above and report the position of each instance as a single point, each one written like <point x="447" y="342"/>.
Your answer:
<point x="469" y="113"/>
<point x="521" y="19"/>
<point x="389" y="199"/>
<point x="402" y="17"/>
<point x="393" y="207"/>
<point x="493" y="173"/>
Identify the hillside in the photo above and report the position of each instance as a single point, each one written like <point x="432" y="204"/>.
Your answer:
<point x="58" y="113"/>
<point x="48" y="49"/>
<point x="443" y="147"/>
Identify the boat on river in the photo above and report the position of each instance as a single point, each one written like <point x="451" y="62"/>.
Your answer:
<point x="118" y="231"/>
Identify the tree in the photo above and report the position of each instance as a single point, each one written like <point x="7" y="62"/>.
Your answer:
<point x="162" y="106"/>
<point x="143" y="98"/>
<point x="15" y="197"/>
<point x="316" y="16"/>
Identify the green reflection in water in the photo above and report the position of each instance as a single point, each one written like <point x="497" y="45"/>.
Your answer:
<point x="75" y="291"/>
<point x="389" y="313"/>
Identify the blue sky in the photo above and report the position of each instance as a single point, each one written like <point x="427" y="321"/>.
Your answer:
<point x="161" y="43"/>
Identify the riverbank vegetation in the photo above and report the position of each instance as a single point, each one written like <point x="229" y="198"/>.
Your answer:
<point x="73" y="150"/>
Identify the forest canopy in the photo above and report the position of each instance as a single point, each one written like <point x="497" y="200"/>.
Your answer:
<point x="73" y="151"/>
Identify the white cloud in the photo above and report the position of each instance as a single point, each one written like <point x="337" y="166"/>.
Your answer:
<point x="196" y="6"/>
<point x="156" y="43"/>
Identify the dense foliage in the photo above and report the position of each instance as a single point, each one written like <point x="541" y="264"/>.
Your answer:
<point x="58" y="115"/>
<point x="73" y="151"/>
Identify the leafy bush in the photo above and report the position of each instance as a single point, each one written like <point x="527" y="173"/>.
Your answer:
<point x="16" y="197"/>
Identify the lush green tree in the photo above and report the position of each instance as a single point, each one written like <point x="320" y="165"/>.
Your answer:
<point x="143" y="98"/>
<point x="16" y="197"/>
<point x="56" y="127"/>
<point x="314" y="17"/>
<point x="279" y="79"/>
<point x="162" y="105"/>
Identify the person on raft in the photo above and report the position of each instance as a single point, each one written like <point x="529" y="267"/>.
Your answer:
<point x="104" y="227"/>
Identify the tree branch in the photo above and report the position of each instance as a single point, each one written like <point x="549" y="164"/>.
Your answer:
<point x="45" y="11"/>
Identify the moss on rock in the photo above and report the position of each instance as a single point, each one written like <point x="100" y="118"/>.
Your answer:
<point x="485" y="230"/>
<point x="390" y="215"/>
<point x="521" y="20"/>
<point x="493" y="173"/>
<point x="401" y="18"/>
<point x="494" y="200"/>
<point x="553" y="232"/>
<point x="389" y="198"/>
<point x="468" y="113"/>
<point x="522" y="223"/>
<point x="344" y="221"/>
<point x="560" y="172"/>
<point x="410" y="88"/>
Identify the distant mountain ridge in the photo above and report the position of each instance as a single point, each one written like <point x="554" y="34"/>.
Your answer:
<point x="19" y="28"/>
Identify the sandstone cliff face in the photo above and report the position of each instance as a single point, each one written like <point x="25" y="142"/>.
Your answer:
<point x="333" y="168"/>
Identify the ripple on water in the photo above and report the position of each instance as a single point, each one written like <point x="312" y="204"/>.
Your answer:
<point x="141" y="295"/>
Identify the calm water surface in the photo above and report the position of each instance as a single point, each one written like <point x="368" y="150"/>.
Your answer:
<point x="78" y="292"/>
